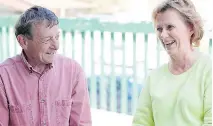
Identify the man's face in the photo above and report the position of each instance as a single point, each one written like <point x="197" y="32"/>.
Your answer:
<point x="44" y="43"/>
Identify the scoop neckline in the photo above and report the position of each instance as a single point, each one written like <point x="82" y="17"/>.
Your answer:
<point x="184" y="73"/>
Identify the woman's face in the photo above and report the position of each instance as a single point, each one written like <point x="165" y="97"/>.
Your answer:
<point x="174" y="32"/>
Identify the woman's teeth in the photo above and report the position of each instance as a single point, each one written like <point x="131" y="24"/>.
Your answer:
<point x="170" y="43"/>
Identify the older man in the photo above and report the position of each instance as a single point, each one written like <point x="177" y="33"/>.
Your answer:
<point x="39" y="87"/>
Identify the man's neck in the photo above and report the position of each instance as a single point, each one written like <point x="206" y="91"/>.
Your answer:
<point x="37" y="66"/>
<point x="40" y="68"/>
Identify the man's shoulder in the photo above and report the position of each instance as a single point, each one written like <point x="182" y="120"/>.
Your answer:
<point x="10" y="62"/>
<point x="65" y="61"/>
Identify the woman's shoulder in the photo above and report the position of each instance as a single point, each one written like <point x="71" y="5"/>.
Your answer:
<point x="205" y="61"/>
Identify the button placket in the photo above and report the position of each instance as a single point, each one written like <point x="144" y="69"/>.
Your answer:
<point x="42" y="100"/>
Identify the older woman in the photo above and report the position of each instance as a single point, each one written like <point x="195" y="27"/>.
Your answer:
<point x="178" y="93"/>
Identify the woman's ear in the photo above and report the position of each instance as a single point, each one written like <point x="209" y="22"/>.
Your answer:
<point x="22" y="40"/>
<point x="191" y="29"/>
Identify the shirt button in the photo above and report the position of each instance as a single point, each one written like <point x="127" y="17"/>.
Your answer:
<point x="42" y="100"/>
<point x="44" y="123"/>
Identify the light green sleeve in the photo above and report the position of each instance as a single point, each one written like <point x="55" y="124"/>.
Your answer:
<point x="143" y="115"/>
<point x="208" y="99"/>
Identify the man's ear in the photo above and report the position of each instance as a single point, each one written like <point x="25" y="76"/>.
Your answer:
<point x="22" y="40"/>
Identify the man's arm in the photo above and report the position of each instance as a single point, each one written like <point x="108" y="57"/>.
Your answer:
<point x="4" y="113"/>
<point x="80" y="111"/>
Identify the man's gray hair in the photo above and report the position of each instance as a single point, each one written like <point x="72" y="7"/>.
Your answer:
<point x="31" y="16"/>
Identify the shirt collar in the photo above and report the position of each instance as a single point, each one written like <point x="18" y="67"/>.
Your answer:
<point x="30" y="68"/>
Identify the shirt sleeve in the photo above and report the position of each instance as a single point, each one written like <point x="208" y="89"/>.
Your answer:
<point x="80" y="111"/>
<point x="143" y="115"/>
<point x="208" y="99"/>
<point x="4" y="116"/>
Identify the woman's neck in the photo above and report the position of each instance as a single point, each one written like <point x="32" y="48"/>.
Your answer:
<point x="181" y="63"/>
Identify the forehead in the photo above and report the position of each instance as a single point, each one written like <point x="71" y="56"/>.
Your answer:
<point x="169" y="16"/>
<point x="44" y="29"/>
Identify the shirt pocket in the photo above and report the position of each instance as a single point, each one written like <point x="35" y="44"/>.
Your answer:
<point x="63" y="110"/>
<point x="21" y="115"/>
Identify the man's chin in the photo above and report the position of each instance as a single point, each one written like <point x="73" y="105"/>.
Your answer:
<point x="49" y="61"/>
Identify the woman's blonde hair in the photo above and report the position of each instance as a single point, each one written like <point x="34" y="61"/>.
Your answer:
<point x="187" y="10"/>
